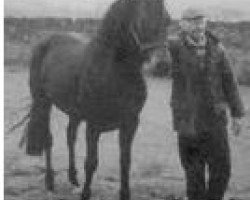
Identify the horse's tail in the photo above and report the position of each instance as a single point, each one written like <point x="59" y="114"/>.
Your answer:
<point x="37" y="131"/>
<point x="36" y="77"/>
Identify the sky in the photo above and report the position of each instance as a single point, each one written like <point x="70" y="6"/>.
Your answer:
<point x="228" y="9"/>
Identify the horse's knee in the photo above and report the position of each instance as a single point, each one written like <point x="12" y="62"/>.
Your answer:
<point x="49" y="140"/>
<point x="125" y="194"/>
<point x="70" y="139"/>
<point x="71" y="133"/>
<point x="91" y="164"/>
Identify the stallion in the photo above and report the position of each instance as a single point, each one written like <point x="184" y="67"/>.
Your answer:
<point x="100" y="83"/>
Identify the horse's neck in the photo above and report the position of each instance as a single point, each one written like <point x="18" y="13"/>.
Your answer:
<point x="126" y="65"/>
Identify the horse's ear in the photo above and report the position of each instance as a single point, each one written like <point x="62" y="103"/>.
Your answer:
<point x="164" y="3"/>
<point x="161" y="1"/>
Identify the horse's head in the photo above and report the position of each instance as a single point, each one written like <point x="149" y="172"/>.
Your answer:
<point x="135" y="26"/>
<point x="149" y="26"/>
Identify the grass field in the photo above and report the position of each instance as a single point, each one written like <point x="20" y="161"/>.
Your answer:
<point x="156" y="171"/>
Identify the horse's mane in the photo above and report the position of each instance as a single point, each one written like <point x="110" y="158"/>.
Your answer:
<point x="114" y="29"/>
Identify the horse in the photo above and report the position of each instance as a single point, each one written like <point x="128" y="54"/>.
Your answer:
<point x="100" y="82"/>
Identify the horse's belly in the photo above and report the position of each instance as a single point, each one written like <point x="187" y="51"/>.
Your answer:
<point x="100" y="110"/>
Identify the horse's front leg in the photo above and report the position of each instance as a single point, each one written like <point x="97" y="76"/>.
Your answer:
<point x="71" y="140"/>
<point x="91" y="161"/>
<point x="49" y="177"/>
<point x="127" y="132"/>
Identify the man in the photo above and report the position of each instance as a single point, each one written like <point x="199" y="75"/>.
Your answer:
<point x="203" y="87"/>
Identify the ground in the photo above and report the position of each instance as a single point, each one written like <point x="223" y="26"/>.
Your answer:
<point x="156" y="172"/>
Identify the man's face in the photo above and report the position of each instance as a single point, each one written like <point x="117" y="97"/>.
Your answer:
<point x="194" y="26"/>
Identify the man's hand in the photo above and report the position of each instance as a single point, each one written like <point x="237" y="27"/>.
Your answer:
<point x="236" y="126"/>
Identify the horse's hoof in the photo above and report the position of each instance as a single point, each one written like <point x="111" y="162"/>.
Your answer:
<point x="72" y="174"/>
<point x="74" y="182"/>
<point x="173" y="197"/>
<point x="50" y="187"/>
<point x="124" y="195"/>
<point x="49" y="182"/>
<point x="86" y="195"/>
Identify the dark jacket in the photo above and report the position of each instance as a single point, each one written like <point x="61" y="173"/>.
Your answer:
<point x="202" y="88"/>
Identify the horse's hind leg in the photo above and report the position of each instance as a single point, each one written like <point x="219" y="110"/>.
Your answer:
<point x="49" y="177"/>
<point x="71" y="139"/>
<point x="91" y="162"/>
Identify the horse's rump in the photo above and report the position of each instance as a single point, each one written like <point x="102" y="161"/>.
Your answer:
<point x="53" y="69"/>
<point x="60" y="71"/>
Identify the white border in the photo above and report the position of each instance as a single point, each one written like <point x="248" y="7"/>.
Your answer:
<point x="2" y="99"/>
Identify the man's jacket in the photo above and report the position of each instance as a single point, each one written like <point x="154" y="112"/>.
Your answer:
<point x="203" y="87"/>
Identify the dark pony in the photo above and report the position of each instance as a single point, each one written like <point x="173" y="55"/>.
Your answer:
<point x="100" y="83"/>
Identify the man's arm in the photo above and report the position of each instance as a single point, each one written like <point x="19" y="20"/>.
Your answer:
<point x="231" y="88"/>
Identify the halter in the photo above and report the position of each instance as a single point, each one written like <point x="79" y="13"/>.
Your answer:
<point x="145" y="46"/>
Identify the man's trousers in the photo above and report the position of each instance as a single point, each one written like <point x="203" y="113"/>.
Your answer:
<point x="206" y="149"/>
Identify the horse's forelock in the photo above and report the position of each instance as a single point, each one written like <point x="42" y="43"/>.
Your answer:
<point x="118" y="18"/>
<point x="150" y="15"/>
<point x="124" y="14"/>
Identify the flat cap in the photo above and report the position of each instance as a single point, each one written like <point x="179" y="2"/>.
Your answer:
<point x="193" y="13"/>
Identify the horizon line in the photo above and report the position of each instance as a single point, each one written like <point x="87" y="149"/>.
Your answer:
<point x="100" y="18"/>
